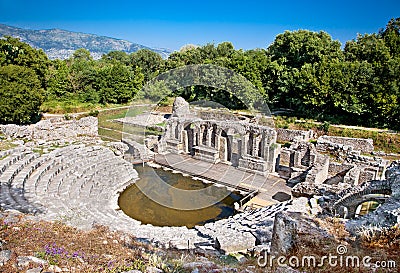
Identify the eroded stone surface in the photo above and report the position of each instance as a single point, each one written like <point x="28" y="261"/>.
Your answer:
<point x="288" y="227"/>
<point x="180" y="108"/>
<point x="79" y="184"/>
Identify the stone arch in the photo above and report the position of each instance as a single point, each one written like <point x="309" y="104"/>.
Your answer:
<point x="351" y="202"/>
<point x="342" y="212"/>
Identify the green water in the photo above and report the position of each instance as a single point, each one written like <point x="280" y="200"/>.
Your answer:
<point x="163" y="198"/>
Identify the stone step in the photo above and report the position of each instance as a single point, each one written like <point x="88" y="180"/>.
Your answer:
<point x="6" y="200"/>
<point x="13" y="170"/>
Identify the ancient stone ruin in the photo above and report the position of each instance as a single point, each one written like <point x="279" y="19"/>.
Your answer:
<point x="63" y="171"/>
<point x="53" y="129"/>
<point x="239" y="143"/>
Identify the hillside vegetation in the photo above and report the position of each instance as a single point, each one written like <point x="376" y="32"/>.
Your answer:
<point x="307" y="72"/>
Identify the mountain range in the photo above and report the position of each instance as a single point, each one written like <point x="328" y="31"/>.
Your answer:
<point x="61" y="44"/>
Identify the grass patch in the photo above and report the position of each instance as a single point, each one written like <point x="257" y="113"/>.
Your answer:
<point x="68" y="106"/>
<point x="381" y="237"/>
<point x="111" y="130"/>
<point x="73" y="105"/>
<point x="6" y="145"/>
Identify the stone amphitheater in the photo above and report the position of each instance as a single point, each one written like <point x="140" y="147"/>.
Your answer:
<point x="64" y="172"/>
<point x="79" y="184"/>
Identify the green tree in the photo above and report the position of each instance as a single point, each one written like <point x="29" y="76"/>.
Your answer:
<point x="116" y="56"/>
<point x="21" y="94"/>
<point x="391" y="36"/>
<point x="291" y="78"/>
<point x="82" y="54"/>
<point x="118" y="83"/>
<point x="150" y="63"/>
<point x="59" y="83"/>
<point x="13" y="51"/>
<point x="368" y="47"/>
<point x="379" y="52"/>
<point x="295" y="48"/>
<point x="83" y="75"/>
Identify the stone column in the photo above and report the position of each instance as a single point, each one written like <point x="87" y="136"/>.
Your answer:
<point x="230" y="148"/>
<point x="203" y="129"/>
<point x="244" y="143"/>
<point x="223" y="149"/>
<point x="256" y="142"/>
<point x="266" y="147"/>
<point x="171" y="131"/>
<point x="185" y="141"/>
<point x="176" y="130"/>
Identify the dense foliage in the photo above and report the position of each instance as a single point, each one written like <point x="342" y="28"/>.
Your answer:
<point x="23" y="73"/>
<point x="302" y="70"/>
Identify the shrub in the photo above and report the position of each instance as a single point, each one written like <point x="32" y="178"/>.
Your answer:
<point x="21" y="95"/>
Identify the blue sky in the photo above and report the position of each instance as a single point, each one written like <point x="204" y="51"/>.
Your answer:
<point x="172" y="24"/>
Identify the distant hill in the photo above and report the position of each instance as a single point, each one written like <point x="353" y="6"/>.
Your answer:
<point x="60" y="44"/>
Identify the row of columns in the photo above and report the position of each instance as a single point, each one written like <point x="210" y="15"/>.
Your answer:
<point x="250" y="143"/>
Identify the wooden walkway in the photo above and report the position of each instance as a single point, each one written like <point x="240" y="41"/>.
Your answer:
<point x="271" y="189"/>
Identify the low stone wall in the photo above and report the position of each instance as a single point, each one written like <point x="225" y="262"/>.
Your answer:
<point x="217" y="115"/>
<point x="365" y="145"/>
<point x="287" y="135"/>
<point x="53" y="129"/>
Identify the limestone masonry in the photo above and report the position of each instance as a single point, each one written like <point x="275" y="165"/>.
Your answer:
<point x="61" y="170"/>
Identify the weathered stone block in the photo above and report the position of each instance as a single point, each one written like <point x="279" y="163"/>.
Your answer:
<point x="235" y="241"/>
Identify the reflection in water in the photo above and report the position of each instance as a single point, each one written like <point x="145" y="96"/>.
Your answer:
<point x="175" y="191"/>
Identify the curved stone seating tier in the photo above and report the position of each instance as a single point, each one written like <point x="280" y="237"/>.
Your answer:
<point x="14" y="162"/>
<point x="5" y="153"/>
<point x="9" y="160"/>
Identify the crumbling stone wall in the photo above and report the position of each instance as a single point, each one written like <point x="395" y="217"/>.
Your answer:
<point x="340" y="150"/>
<point x="285" y="157"/>
<point x="335" y="168"/>
<point x="287" y="135"/>
<point x="365" y="145"/>
<point x="53" y="129"/>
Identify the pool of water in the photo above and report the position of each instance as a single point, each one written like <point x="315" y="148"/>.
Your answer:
<point x="164" y="198"/>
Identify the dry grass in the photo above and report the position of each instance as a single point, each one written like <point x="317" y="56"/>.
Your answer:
<point x="383" y="247"/>
<point x="381" y="237"/>
<point x="102" y="250"/>
<point x="98" y="250"/>
<point x="335" y="227"/>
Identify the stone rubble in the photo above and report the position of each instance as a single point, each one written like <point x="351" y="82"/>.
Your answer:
<point x="53" y="129"/>
<point x="79" y="183"/>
